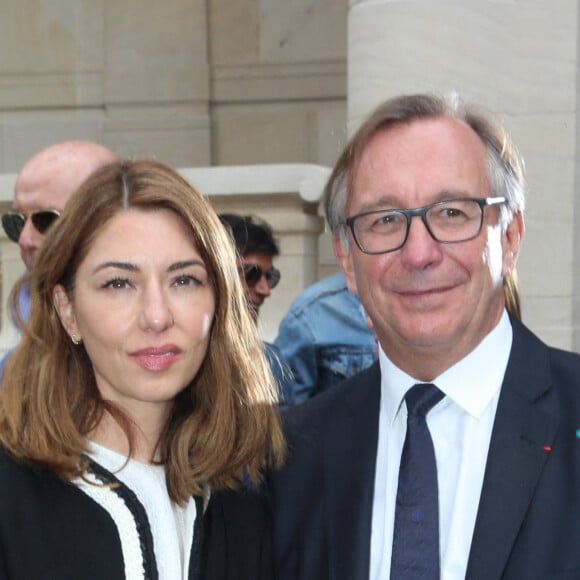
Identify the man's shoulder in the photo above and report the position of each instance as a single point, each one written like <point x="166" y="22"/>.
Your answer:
<point x="533" y="361"/>
<point x="528" y="343"/>
<point x="324" y="289"/>
<point x="318" y="412"/>
<point x="240" y="505"/>
<point x="324" y="424"/>
<point x="565" y="371"/>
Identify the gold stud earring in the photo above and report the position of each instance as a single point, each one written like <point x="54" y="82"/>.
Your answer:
<point x="76" y="340"/>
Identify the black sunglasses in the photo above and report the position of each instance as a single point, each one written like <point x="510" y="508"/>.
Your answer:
<point x="13" y="223"/>
<point x="253" y="273"/>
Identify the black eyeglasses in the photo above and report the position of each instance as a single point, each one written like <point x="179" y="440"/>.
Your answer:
<point x="448" y="222"/>
<point x="253" y="274"/>
<point x="13" y="222"/>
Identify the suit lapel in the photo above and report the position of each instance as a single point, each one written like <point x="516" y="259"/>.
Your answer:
<point x="523" y="432"/>
<point x="349" y="475"/>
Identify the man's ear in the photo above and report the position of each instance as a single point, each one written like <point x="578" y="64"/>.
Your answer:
<point x="344" y="259"/>
<point x="64" y="309"/>
<point x="511" y="241"/>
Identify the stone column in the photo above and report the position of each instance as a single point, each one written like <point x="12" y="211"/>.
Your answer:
<point x="520" y="62"/>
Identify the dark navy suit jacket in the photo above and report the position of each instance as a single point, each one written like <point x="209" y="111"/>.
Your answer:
<point x="528" y="522"/>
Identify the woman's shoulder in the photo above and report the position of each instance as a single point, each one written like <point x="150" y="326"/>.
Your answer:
<point x="25" y="485"/>
<point x="48" y="523"/>
<point x="23" y="482"/>
<point x="16" y="471"/>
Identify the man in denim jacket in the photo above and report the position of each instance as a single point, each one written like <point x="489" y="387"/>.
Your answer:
<point x="324" y="337"/>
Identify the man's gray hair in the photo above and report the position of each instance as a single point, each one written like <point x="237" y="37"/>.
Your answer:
<point x="505" y="167"/>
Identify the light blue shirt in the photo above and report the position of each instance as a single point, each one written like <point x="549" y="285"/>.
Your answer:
<point x="24" y="309"/>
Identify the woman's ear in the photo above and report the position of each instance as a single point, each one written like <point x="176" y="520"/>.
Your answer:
<point x="66" y="313"/>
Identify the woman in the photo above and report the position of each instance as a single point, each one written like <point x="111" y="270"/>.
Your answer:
<point x="138" y="398"/>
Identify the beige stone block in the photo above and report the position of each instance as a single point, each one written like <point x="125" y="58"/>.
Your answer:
<point x="279" y="82"/>
<point x="550" y="318"/>
<point x="26" y="134"/>
<point x="547" y="142"/>
<point x="548" y="259"/>
<point x="12" y="268"/>
<point x="51" y="54"/>
<point x="507" y="57"/>
<point x="42" y="37"/>
<point x="331" y="134"/>
<point x="261" y="134"/>
<point x="300" y="239"/>
<point x="3" y="166"/>
<point x="276" y="133"/>
<point x="546" y="262"/>
<point x="233" y="31"/>
<point x="179" y="136"/>
<point x="7" y="181"/>
<point x="326" y="258"/>
<point x="43" y="90"/>
<point x="302" y="30"/>
<point x="156" y="51"/>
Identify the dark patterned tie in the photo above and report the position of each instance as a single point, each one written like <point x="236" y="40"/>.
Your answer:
<point x="415" y="553"/>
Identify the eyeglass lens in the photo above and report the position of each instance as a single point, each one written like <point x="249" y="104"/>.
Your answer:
<point x="253" y="273"/>
<point x="449" y="221"/>
<point x="13" y="223"/>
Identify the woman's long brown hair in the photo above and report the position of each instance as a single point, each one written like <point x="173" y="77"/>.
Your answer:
<point x="224" y="424"/>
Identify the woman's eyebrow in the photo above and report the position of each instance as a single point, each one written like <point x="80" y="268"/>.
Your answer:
<point x="128" y="266"/>
<point x="185" y="264"/>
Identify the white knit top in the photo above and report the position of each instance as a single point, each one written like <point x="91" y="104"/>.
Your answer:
<point x="171" y="525"/>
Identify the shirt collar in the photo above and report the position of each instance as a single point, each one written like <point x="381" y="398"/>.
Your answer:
<point x="471" y="382"/>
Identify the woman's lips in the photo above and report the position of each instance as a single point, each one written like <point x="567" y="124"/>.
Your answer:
<point x="156" y="358"/>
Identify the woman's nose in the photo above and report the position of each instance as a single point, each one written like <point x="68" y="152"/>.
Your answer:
<point x="156" y="312"/>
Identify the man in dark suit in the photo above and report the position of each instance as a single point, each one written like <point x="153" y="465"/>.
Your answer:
<point x="426" y="208"/>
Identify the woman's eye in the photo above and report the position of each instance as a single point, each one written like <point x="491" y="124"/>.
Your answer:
<point x="186" y="280"/>
<point x="117" y="284"/>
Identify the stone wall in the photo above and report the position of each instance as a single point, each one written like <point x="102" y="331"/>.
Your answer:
<point x="191" y="82"/>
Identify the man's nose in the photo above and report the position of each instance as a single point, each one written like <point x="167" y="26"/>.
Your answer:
<point x="420" y="249"/>
<point x="262" y="286"/>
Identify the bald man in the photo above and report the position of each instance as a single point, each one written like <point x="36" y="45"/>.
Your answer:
<point x="43" y="186"/>
<point x="46" y="182"/>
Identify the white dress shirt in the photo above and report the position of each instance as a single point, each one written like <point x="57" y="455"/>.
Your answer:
<point x="460" y="427"/>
